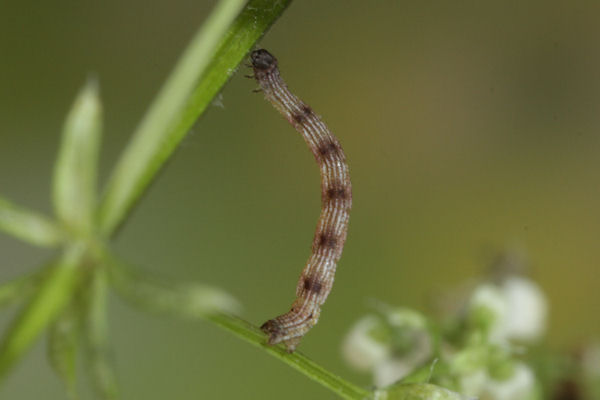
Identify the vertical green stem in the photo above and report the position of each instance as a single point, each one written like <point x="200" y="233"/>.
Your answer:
<point x="53" y="295"/>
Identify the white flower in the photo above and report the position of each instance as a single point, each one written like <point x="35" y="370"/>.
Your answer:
<point x="520" y="386"/>
<point x="514" y="310"/>
<point x="527" y="309"/>
<point x="361" y="349"/>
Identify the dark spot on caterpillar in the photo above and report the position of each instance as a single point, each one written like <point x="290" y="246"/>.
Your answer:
<point x="329" y="148"/>
<point x="312" y="285"/>
<point x="327" y="240"/>
<point x="299" y="118"/>
<point x="337" y="192"/>
<point x="306" y="110"/>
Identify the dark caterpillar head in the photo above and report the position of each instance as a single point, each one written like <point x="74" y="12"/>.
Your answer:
<point x="262" y="60"/>
<point x="272" y="328"/>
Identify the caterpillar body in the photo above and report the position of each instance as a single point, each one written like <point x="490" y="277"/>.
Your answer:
<point x="317" y="277"/>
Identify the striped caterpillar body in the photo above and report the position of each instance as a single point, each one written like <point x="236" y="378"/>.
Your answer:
<point x="317" y="277"/>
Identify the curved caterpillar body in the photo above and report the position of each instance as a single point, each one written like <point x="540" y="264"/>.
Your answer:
<point x="317" y="277"/>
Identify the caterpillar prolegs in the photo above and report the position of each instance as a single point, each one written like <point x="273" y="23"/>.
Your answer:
<point x="317" y="276"/>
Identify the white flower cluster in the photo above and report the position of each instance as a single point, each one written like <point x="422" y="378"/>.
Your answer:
<point x="514" y="310"/>
<point x="399" y="342"/>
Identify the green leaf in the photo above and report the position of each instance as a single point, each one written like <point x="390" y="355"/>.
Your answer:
<point x="188" y="300"/>
<point x="206" y="65"/>
<point x="62" y="349"/>
<point x="53" y="295"/>
<point x="74" y="186"/>
<point x="96" y="337"/>
<point x="28" y="226"/>
<point x="418" y="391"/>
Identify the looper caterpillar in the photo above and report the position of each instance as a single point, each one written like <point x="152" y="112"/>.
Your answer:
<point x="317" y="276"/>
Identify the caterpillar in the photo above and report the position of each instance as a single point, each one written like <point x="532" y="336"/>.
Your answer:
<point x="317" y="277"/>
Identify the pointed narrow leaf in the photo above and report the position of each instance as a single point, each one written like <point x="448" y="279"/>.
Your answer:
<point x="96" y="338"/>
<point x="189" y="300"/>
<point x="62" y="349"/>
<point x="53" y="295"/>
<point x="74" y="186"/>
<point x="28" y="226"/>
<point x="208" y="62"/>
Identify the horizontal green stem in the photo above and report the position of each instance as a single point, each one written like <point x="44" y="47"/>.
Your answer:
<point x="301" y="363"/>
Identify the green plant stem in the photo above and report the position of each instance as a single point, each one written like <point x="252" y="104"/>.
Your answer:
<point x="51" y="298"/>
<point x="212" y="55"/>
<point x="301" y="363"/>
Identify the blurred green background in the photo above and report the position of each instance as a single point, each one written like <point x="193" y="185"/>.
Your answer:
<point x="469" y="129"/>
